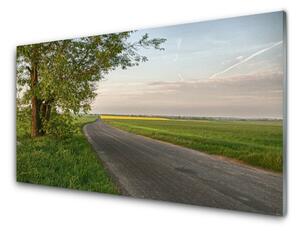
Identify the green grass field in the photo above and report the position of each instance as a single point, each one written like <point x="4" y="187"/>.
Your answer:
<point x="69" y="163"/>
<point x="258" y="143"/>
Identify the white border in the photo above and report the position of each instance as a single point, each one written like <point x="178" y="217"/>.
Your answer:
<point x="26" y="207"/>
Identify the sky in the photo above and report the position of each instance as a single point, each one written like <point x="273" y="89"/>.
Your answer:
<point x="222" y="68"/>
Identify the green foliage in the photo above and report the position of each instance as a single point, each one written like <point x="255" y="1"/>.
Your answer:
<point x="60" y="125"/>
<point x="69" y="163"/>
<point x="23" y="121"/>
<point x="258" y="143"/>
<point x="68" y="70"/>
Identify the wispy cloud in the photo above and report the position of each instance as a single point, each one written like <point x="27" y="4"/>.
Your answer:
<point x="246" y="59"/>
<point x="258" y="95"/>
<point x="178" y="46"/>
<point x="180" y="77"/>
<point x="178" y="43"/>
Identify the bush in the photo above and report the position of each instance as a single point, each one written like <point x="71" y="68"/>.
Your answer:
<point x="23" y="122"/>
<point x="60" y="125"/>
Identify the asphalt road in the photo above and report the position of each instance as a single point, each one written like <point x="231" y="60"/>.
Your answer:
<point x="147" y="168"/>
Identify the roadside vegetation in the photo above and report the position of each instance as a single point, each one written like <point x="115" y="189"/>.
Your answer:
<point x="57" y="80"/>
<point x="258" y="143"/>
<point x="68" y="162"/>
<point x="56" y="83"/>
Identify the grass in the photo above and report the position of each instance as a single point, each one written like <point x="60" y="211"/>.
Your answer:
<point x="258" y="143"/>
<point x="69" y="163"/>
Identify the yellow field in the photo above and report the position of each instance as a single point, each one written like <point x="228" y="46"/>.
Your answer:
<point x="117" y="117"/>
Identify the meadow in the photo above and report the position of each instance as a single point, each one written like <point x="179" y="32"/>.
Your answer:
<point x="121" y="117"/>
<point x="68" y="163"/>
<point x="257" y="143"/>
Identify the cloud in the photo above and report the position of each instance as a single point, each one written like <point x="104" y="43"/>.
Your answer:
<point x="175" y="58"/>
<point x="257" y="95"/>
<point x="246" y="59"/>
<point x="178" y="46"/>
<point x="180" y="77"/>
<point x="178" y="43"/>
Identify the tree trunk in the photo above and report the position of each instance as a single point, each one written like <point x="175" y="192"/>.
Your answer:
<point x="48" y="112"/>
<point x="35" y="104"/>
<point x="45" y="114"/>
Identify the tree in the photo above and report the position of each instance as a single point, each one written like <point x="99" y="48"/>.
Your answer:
<point x="59" y="78"/>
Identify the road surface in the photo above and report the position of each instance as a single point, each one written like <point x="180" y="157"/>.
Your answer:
<point x="147" y="168"/>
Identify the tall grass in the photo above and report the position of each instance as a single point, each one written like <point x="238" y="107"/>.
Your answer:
<point x="69" y="163"/>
